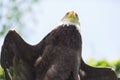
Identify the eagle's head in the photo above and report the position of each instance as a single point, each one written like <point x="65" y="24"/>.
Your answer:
<point x="71" y="18"/>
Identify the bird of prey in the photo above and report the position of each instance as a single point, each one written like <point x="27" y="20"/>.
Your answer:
<point x="56" y="57"/>
<point x="62" y="54"/>
<point x="61" y="51"/>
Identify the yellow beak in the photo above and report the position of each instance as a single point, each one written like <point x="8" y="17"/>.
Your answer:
<point x="71" y="15"/>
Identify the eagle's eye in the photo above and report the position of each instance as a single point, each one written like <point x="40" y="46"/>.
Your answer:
<point x="67" y="13"/>
<point x="76" y="14"/>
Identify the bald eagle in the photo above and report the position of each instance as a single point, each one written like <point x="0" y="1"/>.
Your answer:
<point x="56" y="57"/>
<point x="62" y="54"/>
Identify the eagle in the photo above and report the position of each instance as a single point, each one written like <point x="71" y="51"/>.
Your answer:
<point x="56" y="57"/>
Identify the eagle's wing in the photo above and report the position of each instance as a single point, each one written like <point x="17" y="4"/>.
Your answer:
<point x="16" y="51"/>
<point x="17" y="56"/>
<point x="92" y="73"/>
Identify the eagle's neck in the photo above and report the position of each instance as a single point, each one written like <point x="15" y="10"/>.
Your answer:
<point x="68" y="23"/>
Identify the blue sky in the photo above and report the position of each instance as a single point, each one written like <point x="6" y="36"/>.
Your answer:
<point x="100" y="24"/>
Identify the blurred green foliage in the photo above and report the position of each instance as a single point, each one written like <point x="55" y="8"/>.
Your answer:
<point x="1" y="74"/>
<point x="115" y="65"/>
<point x="12" y="13"/>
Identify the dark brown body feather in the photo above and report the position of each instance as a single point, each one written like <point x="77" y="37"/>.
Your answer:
<point x="25" y="55"/>
<point x="63" y="49"/>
